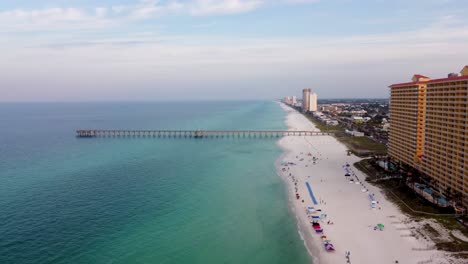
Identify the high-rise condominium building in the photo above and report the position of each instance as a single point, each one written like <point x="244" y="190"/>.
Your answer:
<point x="305" y="99"/>
<point x="294" y="100"/>
<point x="309" y="101"/>
<point x="313" y="102"/>
<point x="429" y="129"/>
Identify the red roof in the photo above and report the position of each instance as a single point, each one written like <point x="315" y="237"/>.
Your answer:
<point x="458" y="78"/>
<point x="420" y="76"/>
<point x="403" y="84"/>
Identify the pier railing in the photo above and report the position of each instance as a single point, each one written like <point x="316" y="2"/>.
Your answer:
<point x="89" y="133"/>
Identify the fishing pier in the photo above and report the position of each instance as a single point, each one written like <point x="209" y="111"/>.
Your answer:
<point x="90" y="133"/>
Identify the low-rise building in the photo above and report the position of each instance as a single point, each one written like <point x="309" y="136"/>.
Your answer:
<point x="354" y="133"/>
<point x="357" y="119"/>
<point x="332" y="122"/>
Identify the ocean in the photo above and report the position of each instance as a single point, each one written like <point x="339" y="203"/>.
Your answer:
<point x="65" y="199"/>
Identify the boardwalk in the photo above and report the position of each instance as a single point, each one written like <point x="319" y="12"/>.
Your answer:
<point x="194" y="133"/>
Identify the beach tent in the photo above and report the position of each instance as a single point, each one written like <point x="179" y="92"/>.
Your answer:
<point x="329" y="247"/>
<point x="310" y="210"/>
<point x="380" y="226"/>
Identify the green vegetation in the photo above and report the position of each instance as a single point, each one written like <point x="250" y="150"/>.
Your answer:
<point x="415" y="206"/>
<point x="360" y="146"/>
<point x="325" y="128"/>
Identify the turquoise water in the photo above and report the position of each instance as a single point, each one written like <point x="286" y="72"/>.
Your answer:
<point x="142" y="200"/>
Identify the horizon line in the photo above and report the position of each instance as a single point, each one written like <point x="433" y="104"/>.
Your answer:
<point x="189" y="100"/>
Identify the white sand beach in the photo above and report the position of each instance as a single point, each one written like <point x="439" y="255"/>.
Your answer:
<point x="347" y="205"/>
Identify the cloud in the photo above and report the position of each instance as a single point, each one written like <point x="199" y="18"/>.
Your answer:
<point x="44" y="16"/>
<point x="301" y="1"/>
<point x="150" y="8"/>
<point x="123" y="67"/>
<point x="219" y="7"/>
<point x="101" y="11"/>
<point x="51" y="19"/>
<point x="61" y="67"/>
<point x="79" y="18"/>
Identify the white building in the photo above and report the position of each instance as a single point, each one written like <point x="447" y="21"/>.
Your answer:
<point x="357" y="119"/>
<point x="354" y="133"/>
<point x="309" y="101"/>
<point x="313" y="102"/>
<point x="385" y="126"/>
<point x="331" y="123"/>
<point x="294" y="100"/>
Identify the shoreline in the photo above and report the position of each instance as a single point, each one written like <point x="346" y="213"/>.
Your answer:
<point x="312" y="250"/>
<point x="302" y="228"/>
<point x="347" y="205"/>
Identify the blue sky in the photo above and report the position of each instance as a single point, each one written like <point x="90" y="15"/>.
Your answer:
<point x="79" y="50"/>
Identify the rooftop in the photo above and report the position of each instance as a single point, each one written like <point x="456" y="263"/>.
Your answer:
<point x="447" y="79"/>
<point x="420" y="76"/>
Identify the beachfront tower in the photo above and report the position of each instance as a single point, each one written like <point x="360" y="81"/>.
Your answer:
<point x="305" y="100"/>
<point x="428" y="129"/>
<point x="294" y="100"/>
<point x="313" y="102"/>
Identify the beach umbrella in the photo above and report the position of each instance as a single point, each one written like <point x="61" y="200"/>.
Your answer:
<point x="381" y="226"/>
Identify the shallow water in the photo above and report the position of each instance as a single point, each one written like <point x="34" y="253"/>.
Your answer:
<point x="142" y="200"/>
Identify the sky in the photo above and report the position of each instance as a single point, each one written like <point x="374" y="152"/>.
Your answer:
<point x="168" y="50"/>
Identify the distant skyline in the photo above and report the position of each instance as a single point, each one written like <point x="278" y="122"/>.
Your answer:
<point x="150" y="50"/>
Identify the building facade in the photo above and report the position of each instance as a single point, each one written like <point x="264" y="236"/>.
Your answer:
<point x="428" y="129"/>
<point x="313" y="102"/>
<point x="294" y="100"/>
<point x="306" y="99"/>
<point x="309" y="101"/>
